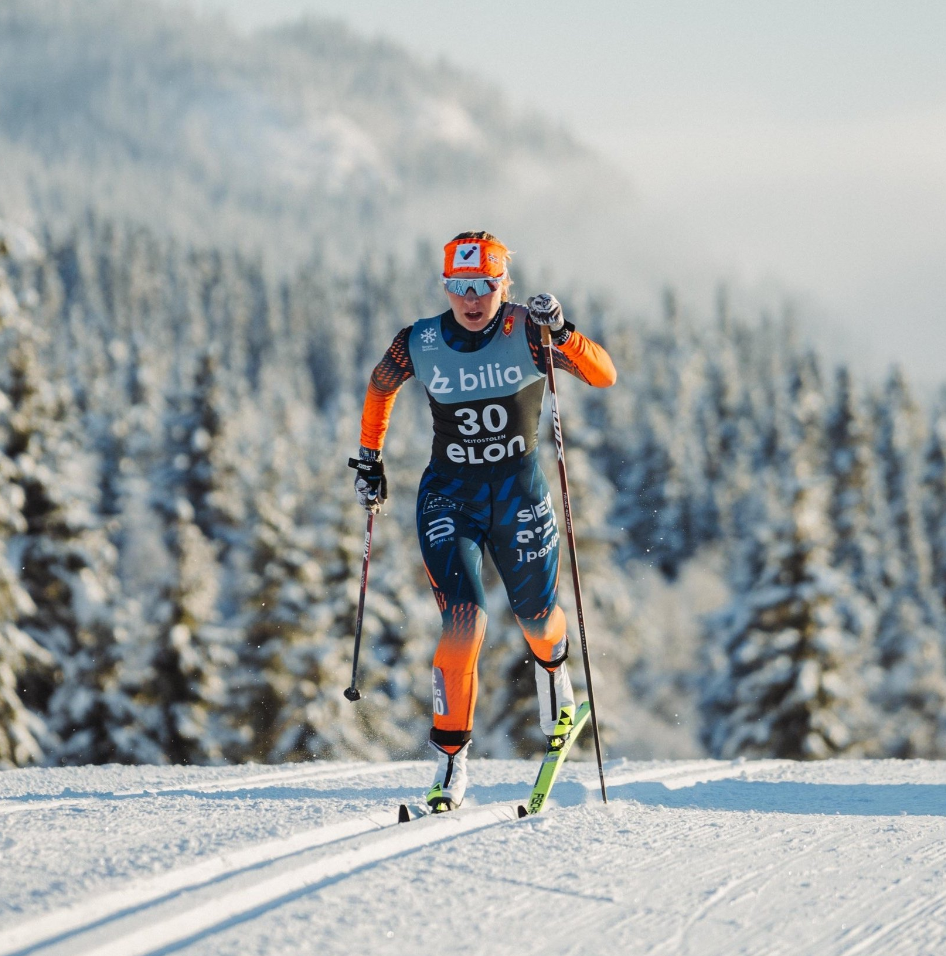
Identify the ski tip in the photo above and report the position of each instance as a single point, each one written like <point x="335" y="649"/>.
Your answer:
<point x="523" y="812"/>
<point x="403" y="814"/>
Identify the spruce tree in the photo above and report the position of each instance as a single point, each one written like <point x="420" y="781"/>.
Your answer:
<point x="199" y="466"/>
<point x="909" y="651"/>
<point x="906" y="550"/>
<point x="67" y="564"/>
<point x="23" y="663"/>
<point x="783" y="666"/>
<point x="934" y="495"/>
<point x="912" y="692"/>
<point x="23" y="734"/>
<point x="852" y="470"/>
<point x="186" y="688"/>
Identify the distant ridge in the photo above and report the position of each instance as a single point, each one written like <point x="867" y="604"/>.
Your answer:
<point x="305" y="134"/>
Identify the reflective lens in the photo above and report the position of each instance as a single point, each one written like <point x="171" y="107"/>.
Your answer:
<point x="479" y="286"/>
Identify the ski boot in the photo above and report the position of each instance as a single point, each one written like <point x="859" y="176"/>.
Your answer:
<point x="563" y="730"/>
<point x="556" y="696"/>
<point x="449" y="786"/>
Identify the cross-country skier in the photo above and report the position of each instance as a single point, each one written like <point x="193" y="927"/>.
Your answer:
<point x="483" y="366"/>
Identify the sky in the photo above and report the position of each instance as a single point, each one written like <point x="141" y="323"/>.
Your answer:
<point x="795" y="149"/>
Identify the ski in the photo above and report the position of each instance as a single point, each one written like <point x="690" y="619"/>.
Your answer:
<point x="548" y="773"/>
<point x="552" y="763"/>
<point x="409" y="812"/>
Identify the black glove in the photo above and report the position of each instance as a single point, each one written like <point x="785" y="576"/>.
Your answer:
<point x="545" y="309"/>
<point x="371" y="487"/>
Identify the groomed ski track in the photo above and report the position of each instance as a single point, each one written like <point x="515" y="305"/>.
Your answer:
<point x="698" y="857"/>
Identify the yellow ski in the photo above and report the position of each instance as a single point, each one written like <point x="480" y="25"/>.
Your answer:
<point x="553" y="760"/>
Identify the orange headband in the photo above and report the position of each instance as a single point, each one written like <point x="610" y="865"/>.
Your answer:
<point x="474" y="257"/>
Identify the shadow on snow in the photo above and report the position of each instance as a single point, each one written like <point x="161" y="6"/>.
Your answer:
<point x="848" y="799"/>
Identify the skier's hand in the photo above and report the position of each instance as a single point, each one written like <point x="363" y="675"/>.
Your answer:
<point x="371" y="487"/>
<point x="545" y="309"/>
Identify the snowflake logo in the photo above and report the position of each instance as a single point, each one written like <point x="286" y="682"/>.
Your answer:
<point x="428" y="336"/>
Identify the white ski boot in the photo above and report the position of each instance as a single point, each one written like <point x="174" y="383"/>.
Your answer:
<point x="555" y="695"/>
<point x="449" y="786"/>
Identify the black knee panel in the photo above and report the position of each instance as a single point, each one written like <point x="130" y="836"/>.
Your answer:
<point x="449" y="738"/>
<point x="552" y="665"/>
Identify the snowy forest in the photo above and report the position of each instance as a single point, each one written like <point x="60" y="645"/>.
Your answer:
<point x="192" y="297"/>
<point x="182" y="548"/>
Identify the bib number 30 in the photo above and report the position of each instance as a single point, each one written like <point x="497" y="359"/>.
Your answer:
<point x="494" y="419"/>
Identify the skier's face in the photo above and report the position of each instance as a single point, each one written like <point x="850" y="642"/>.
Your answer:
<point x="473" y="311"/>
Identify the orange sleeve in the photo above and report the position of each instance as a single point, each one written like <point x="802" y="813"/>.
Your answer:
<point x="578" y="355"/>
<point x="394" y="369"/>
<point x="587" y="360"/>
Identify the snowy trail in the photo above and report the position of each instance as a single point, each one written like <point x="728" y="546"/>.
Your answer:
<point x="687" y="774"/>
<point x="698" y="857"/>
<point x="198" y="787"/>
<point x="150" y="918"/>
<point x="112" y="906"/>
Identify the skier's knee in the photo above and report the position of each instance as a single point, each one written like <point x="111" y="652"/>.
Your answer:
<point x="548" y="628"/>
<point x="449" y="741"/>
<point x="555" y="663"/>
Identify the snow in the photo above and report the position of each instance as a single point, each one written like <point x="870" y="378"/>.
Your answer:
<point x="692" y="857"/>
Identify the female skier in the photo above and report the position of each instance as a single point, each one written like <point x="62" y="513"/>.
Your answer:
<point x="483" y="366"/>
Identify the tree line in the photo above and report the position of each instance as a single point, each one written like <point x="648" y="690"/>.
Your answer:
<point x="181" y="548"/>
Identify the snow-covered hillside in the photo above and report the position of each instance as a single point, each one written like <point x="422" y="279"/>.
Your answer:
<point x="304" y="135"/>
<point x="698" y="857"/>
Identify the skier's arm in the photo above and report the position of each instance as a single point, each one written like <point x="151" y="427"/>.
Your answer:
<point x="572" y="352"/>
<point x="580" y="356"/>
<point x="394" y="369"/>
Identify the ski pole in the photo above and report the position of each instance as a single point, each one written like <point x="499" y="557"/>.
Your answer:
<point x="352" y="693"/>
<point x="572" y="550"/>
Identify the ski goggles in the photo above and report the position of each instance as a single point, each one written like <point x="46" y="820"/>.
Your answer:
<point x="479" y="286"/>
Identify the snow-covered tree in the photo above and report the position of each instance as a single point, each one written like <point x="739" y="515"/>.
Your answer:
<point x="185" y="689"/>
<point x="783" y="668"/>
<point x="912" y="689"/>
<point x="23" y="734"/>
<point x="906" y="550"/>
<point x="934" y="495"/>
<point x="199" y="466"/>
<point x="852" y="470"/>
<point x="282" y="592"/>
<point x="66" y="562"/>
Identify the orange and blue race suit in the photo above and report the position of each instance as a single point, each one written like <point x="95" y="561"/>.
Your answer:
<point x="483" y="489"/>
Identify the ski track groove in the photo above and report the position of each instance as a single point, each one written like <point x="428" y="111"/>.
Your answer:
<point x="79" y="916"/>
<point x="654" y="921"/>
<point x="874" y="937"/>
<point x="678" y="777"/>
<point x="255" y="891"/>
<point x="587" y="913"/>
<point x="9" y="805"/>
<point x="690" y="774"/>
<point x="882" y="935"/>
<point x="751" y="885"/>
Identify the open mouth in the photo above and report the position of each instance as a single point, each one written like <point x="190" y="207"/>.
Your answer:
<point x="475" y="316"/>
